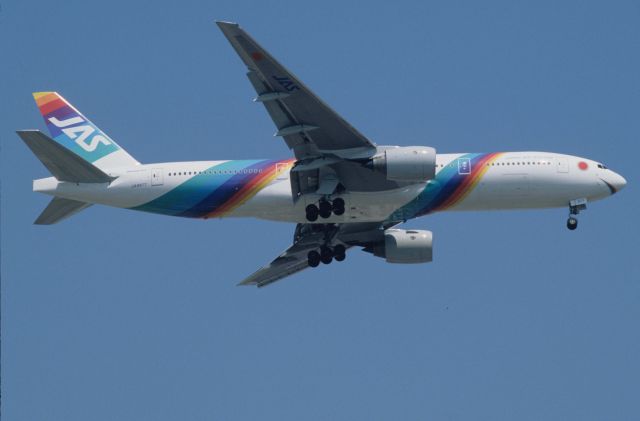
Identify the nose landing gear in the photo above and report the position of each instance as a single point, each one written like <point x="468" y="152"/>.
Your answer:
<point x="575" y="206"/>
<point x="324" y="209"/>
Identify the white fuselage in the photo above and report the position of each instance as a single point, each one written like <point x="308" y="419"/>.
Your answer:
<point x="513" y="180"/>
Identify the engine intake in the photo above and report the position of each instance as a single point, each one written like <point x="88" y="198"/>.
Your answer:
<point x="405" y="246"/>
<point x="411" y="163"/>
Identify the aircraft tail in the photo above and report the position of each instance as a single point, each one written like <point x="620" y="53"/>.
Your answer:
<point x="64" y="165"/>
<point x="72" y="130"/>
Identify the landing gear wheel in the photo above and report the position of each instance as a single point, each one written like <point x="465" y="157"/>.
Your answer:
<point x="313" y="258"/>
<point x="326" y="255"/>
<point x="339" y="253"/>
<point x="575" y="206"/>
<point x="338" y="206"/>
<point x="312" y="213"/>
<point x="325" y="209"/>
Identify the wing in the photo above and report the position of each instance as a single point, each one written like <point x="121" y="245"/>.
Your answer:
<point x="308" y="125"/>
<point x="292" y="260"/>
<point x="311" y="237"/>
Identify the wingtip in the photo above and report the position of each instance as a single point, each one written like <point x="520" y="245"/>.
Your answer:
<point x="226" y="24"/>
<point x="245" y="284"/>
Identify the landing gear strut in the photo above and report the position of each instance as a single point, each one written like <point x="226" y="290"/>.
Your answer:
<point x="575" y="206"/>
<point x="324" y="209"/>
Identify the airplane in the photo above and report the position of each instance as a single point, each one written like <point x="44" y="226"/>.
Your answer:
<point x="341" y="189"/>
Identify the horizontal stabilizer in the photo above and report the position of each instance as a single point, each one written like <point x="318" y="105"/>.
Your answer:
<point x="59" y="209"/>
<point x="63" y="164"/>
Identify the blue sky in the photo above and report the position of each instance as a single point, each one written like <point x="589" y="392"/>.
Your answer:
<point x="124" y="315"/>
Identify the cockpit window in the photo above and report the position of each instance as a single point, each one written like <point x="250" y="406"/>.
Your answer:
<point x="602" y="166"/>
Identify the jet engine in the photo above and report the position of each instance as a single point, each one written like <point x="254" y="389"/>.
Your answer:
<point x="411" y="163"/>
<point x="405" y="246"/>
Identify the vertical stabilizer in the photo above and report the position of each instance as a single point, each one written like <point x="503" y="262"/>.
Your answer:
<point x="77" y="133"/>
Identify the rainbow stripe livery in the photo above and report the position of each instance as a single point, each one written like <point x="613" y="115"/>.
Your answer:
<point x="217" y="190"/>
<point x="450" y="187"/>
<point x="75" y="132"/>
<point x="248" y="187"/>
<point x="71" y="129"/>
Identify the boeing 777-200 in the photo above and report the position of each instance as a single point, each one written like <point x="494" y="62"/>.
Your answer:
<point x="341" y="189"/>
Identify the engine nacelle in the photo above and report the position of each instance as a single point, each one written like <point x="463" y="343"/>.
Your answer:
<point x="406" y="246"/>
<point x="410" y="163"/>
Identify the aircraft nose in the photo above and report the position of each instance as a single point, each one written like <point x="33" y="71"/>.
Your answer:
<point x="616" y="182"/>
<point x="619" y="182"/>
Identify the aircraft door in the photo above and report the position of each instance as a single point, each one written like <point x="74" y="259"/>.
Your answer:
<point x="157" y="178"/>
<point x="562" y="165"/>
<point x="138" y="178"/>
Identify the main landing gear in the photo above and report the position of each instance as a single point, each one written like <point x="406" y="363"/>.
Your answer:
<point x="324" y="209"/>
<point x="575" y="206"/>
<point x="326" y="255"/>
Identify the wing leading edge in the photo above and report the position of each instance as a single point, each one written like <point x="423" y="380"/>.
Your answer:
<point x="308" y="125"/>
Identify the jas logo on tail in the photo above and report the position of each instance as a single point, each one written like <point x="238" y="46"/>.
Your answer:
<point x="80" y="133"/>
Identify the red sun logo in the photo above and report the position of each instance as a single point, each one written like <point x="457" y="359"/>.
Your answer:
<point x="583" y="165"/>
